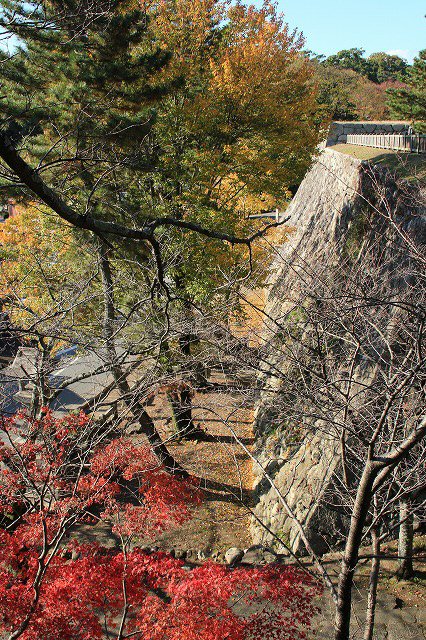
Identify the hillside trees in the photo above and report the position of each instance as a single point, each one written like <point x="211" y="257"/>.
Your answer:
<point x="387" y="67"/>
<point x="353" y="87"/>
<point x="346" y="95"/>
<point x="350" y="59"/>
<point x="56" y="477"/>
<point x="378" y="67"/>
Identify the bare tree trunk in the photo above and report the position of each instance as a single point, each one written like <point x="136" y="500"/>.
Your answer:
<point x="350" y="556"/>
<point x="160" y="450"/>
<point x="181" y="400"/>
<point x="146" y="423"/>
<point x="405" y="540"/>
<point x="374" y="577"/>
<point x="181" y="404"/>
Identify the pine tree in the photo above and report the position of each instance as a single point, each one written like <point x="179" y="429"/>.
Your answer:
<point x="410" y="102"/>
<point x="79" y="94"/>
<point x="385" y="67"/>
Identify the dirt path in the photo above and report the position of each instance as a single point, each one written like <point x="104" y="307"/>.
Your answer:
<point x="223" y="520"/>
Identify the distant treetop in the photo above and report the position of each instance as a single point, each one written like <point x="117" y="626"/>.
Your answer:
<point x="355" y="87"/>
<point x="378" y="67"/>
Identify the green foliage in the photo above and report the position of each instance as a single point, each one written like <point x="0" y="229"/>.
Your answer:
<point x="410" y="101"/>
<point x="335" y="95"/>
<point x="378" y="67"/>
<point x="350" y="59"/>
<point x="79" y="94"/>
<point x="352" y="87"/>
<point x="385" y="67"/>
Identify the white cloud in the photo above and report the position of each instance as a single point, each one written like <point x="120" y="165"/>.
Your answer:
<point x="402" y="53"/>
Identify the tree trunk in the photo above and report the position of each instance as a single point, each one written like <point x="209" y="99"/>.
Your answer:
<point x="159" y="448"/>
<point x="181" y="400"/>
<point x="180" y="393"/>
<point x="146" y="423"/>
<point x="405" y="540"/>
<point x="350" y="556"/>
<point x="181" y="404"/>
<point x="374" y="577"/>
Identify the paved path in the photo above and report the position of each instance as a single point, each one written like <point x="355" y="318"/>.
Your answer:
<point x="74" y="396"/>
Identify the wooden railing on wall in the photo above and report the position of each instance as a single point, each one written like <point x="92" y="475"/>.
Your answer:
<point x="396" y="142"/>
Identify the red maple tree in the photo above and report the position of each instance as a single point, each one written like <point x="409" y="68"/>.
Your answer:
<point x="58" y="475"/>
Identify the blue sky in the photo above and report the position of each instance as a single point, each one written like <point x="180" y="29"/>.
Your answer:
<point x="396" y="26"/>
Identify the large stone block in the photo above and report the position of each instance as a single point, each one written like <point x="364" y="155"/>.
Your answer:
<point x="384" y="128"/>
<point x="369" y="128"/>
<point x="259" y="555"/>
<point x="349" y="128"/>
<point x="233" y="556"/>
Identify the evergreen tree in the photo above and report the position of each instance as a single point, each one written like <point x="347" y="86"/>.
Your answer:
<point x="350" y="59"/>
<point x="378" y="67"/>
<point x="79" y="95"/>
<point x="410" y="102"/>
<point x="385" y="67"/>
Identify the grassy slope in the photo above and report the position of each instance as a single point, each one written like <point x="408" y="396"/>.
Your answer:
<point x="411" y="166"/>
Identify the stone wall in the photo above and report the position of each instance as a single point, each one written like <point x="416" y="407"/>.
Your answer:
<point x="326" y="210"/>
<point x="321" y="209"/>
<point x="339" y="130"/>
